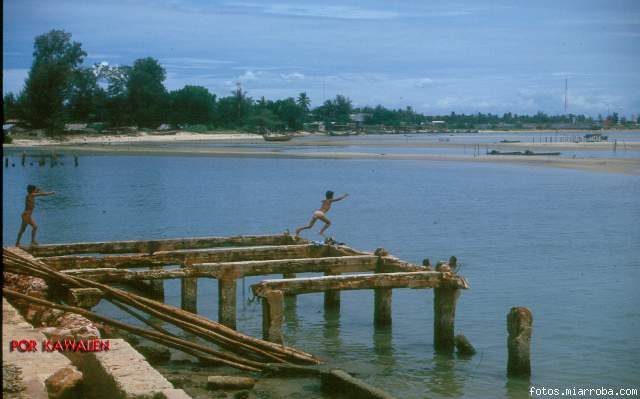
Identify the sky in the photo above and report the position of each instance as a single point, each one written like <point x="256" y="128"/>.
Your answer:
<point x="436" y="56"/>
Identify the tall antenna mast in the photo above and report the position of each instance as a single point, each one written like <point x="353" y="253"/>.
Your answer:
<point x="566" y="98"/>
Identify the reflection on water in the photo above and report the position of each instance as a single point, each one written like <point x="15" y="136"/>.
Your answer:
<point x="557" y="241"/>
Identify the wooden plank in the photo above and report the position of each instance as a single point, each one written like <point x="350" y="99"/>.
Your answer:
<point x="359" y="282"/>
<point x="165" y="258"/>
<point x="150" y="246"/>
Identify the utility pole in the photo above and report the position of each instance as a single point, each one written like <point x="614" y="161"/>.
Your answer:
<point x="566" y="97"/>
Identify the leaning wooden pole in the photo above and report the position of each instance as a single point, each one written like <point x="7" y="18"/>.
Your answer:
<point x="162" y="310"/>
<point x="177" y="343"/>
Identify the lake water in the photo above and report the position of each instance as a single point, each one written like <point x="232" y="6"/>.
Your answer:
<point x="564" y="243"/>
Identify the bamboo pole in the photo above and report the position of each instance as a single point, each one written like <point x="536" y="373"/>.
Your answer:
<point x="158" y="337"/>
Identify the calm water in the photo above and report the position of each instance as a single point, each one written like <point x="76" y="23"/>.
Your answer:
<point x="563" y="243"/>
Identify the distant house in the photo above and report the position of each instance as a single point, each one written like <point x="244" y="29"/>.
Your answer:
<point x="438" y="122"/>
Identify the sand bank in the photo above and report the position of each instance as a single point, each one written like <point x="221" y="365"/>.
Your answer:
<point x="137" y="138"/>
<point x="610" y="165"/>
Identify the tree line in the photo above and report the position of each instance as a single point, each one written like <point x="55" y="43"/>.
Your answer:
<point x="60" y="90"/>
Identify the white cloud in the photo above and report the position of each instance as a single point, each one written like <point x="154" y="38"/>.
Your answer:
<point x="318" y="11"/>
<point x="424" y="82"/>
<point x="292" y="76"/>
<point x="249" y="76"/>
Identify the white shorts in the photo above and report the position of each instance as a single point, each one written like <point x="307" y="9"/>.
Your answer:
<point x="318" y="214"/>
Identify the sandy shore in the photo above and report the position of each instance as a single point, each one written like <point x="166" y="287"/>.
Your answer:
<point x="138" y="138"/>
<point x="609" y="165"/>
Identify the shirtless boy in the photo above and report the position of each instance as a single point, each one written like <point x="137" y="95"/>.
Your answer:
<point x="321" y="213"/>
<point x="30" y="203"/>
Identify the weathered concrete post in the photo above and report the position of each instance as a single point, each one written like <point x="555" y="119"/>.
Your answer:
<point x="444" y="314"/>
<point x="382" y="296"/>
<point x="332" y="297"/>
<point x="156" y="287"/>
<point x="290" y="300"/>
<point x="227" y="301"/>
<point x="519" y="322"/>
<point x="189" y="294"/>
<point x="272" y="309"/>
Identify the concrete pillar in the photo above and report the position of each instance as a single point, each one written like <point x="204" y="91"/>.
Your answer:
<point x="290" y="300"/>
<point x="519" y="324"/>
<point x="444" y="314"/>
<point x="189" y="294"/>
<point x="156" y="287"/>
<point x="227" y="302"/>
<point x="332" y="297"/>
<point x="272" y="309"/>
<point x="381" y="296"/>
<point x="382" y="306"/>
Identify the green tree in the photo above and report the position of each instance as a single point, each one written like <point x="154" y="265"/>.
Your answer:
<point x="192" y="105"/>
<point x="9" y="107"/>
<point x="55" y="59"/>
<point x="116" y="110"/>
<point x="303" y="101"/>
<point x="146" y="95"/>
<point x="86" y="98"/>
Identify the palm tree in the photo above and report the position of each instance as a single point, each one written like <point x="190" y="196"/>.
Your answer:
<point x="303" y="101"/>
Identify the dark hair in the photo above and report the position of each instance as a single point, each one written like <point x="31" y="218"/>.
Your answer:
<point x="31" y="188"/>
<point x="329" y="194"/>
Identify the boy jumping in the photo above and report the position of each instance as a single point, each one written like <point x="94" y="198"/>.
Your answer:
<point x="320" y="213"/>
<point x="30" y="203"/>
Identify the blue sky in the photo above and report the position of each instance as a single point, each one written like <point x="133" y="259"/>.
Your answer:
<point x="437" y="56"/>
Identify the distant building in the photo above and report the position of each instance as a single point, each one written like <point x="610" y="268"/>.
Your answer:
<point x="438" y="122"/>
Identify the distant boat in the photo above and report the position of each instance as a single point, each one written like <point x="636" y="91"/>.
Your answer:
<point x="510" y="141"/>
<point x="276" y="137"/>
<point x="595" y="137"/>
<point x="526" y="153"/>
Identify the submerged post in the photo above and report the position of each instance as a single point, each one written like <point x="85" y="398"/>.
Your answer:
<point x="227" y="302"/>
<point x="189" y="294"/>
<point x="519" y="322"/>
<point x="272" y="309"/>
<point x="444" y="314"/>
<point x="332" y="297"/>
<point x="382" y="297"/>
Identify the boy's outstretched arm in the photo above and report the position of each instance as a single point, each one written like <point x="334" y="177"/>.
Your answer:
<point x="340" y="198"/>
<point x="42" y="193"/>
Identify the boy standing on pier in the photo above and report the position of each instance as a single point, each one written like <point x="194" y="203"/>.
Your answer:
<point x="27" y="219"/>
<point x="320" y="213"/>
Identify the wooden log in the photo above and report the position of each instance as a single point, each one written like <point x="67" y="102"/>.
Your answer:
<point x="444" y="314"/>
<point x="227" y="302"/>
<point x="149" y="334"/>
<point x="150" y="246"/>
<point x="332" y="297"/>
<point x="519" y="327"/>
<point x="272" y="309"/>
<point x="236" y="340"/>
<point x="360" y="282"/>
